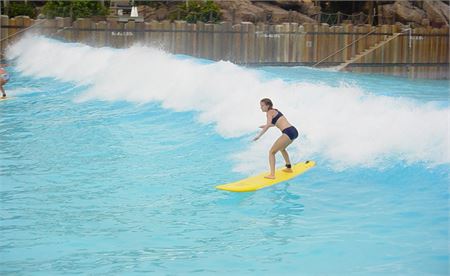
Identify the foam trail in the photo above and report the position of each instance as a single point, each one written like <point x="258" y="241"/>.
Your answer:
<point x="342" y="125"/>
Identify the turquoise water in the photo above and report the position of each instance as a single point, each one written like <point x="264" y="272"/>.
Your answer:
<point x="420" y="89"/>
<point x="120" y="186"/>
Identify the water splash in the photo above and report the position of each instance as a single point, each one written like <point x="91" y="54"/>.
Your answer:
<point x="342" y="125"/>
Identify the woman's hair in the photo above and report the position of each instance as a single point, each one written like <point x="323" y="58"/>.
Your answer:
<point x="268" y="102"/>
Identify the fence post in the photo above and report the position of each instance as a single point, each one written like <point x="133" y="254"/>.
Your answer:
<point x="236" y="47"/>
<point x="101" y="39"/>
<point x="337" y="42"/>
<point x="217" y="42"/>
<point x="166" y="35"/>
<point x="233" y="16"/>
<point x="130" y="27"/>
<point x="178" y="28"/>
<point x="208" y="42"/>
<point x="380" y="17"/>
<point x="293" y="43"/>
<point x="251" y="42"/>
<point x="285" y="39"/>
<point x="184" y="36"/>
<point x="194" y="39"/>
<point x="4" y="20"/>
<point x="244" y="42"/>
<point x="200" y="38"/>
<point x="147" y="34"/>
<point x="261" y="45"/>
<point x="308" y="39"/>
<point x="347" y="53"/>
<point x="12" y="30"/>
<point x="112" y="27"/>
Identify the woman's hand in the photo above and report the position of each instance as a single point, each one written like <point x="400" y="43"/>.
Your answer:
<point x="264" y="127"/>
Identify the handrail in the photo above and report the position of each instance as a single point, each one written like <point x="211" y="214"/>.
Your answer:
<point x="367" y="51"/>
<point x="344" y="47"/>
<point x="57" y="31"/>
<point x="335" y="13"/>
<point x="32" y="26"/>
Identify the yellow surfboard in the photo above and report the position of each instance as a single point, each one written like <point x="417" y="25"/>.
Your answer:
<point x="257" y="182"/>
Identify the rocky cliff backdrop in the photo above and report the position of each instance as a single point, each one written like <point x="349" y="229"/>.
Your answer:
<point x="417" y="13"/>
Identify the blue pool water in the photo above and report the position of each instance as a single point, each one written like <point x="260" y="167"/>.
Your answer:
<point x="105" y="172"/>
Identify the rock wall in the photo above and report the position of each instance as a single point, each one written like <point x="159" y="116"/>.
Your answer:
<point x="417" y="13"/>
<point x="298" y="11"/>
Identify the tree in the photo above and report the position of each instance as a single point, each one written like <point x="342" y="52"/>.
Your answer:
<point x="205" y="11"/>
<point x="74" y="9"/>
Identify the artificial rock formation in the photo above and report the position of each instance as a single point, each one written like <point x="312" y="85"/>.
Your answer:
<point x="417" y="13"/>
<point x="240" y="10"/>
<point x="274" y="11"/>
<point x="437" y="11"/>
<point x="421" y="13"/>
<point x="280" y="15"/>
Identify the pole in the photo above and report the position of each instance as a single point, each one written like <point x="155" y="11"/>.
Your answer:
<point x="6" y="5"/>
<point x="410" y="38"/>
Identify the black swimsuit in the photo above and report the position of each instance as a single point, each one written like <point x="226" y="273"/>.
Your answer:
<point x="275" y="119"/>
<point x="291" y="131"/>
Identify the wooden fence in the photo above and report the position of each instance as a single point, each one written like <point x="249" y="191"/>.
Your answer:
<point x="419" y="53"/>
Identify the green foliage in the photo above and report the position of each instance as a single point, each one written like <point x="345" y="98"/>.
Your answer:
<point x="74" y="9"/>
<point x="21" y="8"/>
<point x="193" y="11"/>
<point x="153" y="4"/>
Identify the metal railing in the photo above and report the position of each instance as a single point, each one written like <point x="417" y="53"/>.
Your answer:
<point x="21" y="31"/>
<point x="339" y="17"/>
<point x="345" y="47"/>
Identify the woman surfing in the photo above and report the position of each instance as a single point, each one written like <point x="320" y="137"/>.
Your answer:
<point x="289" y="133"/>
<point x="4" y="78"/>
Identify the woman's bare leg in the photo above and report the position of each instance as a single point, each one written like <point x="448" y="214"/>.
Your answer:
<point x="286" y="159"/>
<point x="280" y="143"/>
<point x="2" y="90"/>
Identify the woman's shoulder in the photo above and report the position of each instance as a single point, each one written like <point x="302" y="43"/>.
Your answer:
<point x="272" y="112"/>
<point x="275" y="111"/>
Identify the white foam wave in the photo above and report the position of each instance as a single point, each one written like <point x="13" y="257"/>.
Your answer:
<point x="343" y="125"/>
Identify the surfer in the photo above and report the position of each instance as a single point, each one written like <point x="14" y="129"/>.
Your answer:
<point x="4" y="77"/>
<point x="289" y="133"/>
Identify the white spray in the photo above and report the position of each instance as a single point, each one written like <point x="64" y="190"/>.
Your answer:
<point x="342" y="125"/>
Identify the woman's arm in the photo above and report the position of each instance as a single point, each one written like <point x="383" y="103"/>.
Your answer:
<point x="265" y="127"/>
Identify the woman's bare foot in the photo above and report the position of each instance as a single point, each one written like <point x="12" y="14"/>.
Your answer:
<point x="270" y="176"/>
<point x="287" y="170"/>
